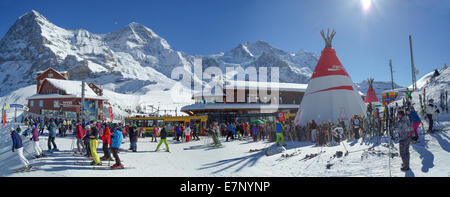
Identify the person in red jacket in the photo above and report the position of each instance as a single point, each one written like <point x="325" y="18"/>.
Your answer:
<point x="79" y="134"/>
<point x="106" y="138"/>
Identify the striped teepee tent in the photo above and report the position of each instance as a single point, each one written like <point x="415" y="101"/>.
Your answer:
<point x="371" y="97"/>
<point x="331" y="93"/>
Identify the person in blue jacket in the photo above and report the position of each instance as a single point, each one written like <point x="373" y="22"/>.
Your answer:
<point x="178" y="130"/>
<point x="18" y="148"/>
<point x="51" y="136"/>
<point x="116" y="141"/>
<point x="415" y="119"/>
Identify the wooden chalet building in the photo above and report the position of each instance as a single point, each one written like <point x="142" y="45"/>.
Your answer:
<point x="50" y="73"/>
<point x="56" y="96"/>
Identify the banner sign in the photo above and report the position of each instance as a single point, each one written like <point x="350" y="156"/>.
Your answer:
<point x="110" y="114"/>
<point x="15" y="105"/>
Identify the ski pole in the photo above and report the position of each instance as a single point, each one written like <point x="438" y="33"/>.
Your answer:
<point x="389" y="155"/>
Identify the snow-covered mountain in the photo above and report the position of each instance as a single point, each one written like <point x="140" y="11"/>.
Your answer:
<point x="132" y="60"/>
<point x="134" y="56"/>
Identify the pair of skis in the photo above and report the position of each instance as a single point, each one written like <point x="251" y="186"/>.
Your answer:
<point x="101" y="167"/>
<point x="25" y="169"/>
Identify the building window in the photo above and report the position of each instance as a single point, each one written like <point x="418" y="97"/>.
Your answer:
<point x="55" y="104"/>
<point x="31" y="103"/>
<point x="50" y="75"/>
<point x="41" y="103"/>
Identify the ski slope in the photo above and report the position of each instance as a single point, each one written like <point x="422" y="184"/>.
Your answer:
<point x="233" y="159"/>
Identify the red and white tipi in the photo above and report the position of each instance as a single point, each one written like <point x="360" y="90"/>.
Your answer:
<point x="331" y="93"/>
<point x="371" y="97"/>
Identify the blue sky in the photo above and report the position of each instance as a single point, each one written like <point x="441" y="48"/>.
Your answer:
<point x="364" y="42"/>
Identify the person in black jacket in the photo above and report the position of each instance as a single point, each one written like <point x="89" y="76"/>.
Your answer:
<point x="163" y="136"/>
<point x="134" y="134"/>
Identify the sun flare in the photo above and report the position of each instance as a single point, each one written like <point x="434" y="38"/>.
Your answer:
<point x="366" y="4"/>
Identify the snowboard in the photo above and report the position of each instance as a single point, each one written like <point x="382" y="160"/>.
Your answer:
<point x="274" y="150"/>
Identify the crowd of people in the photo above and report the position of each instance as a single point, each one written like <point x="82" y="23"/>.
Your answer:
<point x="87" y="135"/>
<point x="403" y="121"/>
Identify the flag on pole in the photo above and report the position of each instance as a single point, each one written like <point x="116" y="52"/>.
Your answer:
<point x="4" y="119"/>
<point x="110" y="114"/>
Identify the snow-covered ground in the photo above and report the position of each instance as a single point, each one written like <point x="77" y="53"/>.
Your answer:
<point x="233" y="159"/>
<point x="430" y="158"/>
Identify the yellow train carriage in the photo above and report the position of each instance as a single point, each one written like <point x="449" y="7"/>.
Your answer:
<point x="147" y="123"/>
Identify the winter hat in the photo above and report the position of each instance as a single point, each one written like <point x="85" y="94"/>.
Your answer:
<point x="12" y="129"/>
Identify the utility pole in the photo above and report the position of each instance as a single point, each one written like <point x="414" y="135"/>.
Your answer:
<point x="413" y="68"/>
<point x="392" y="76"/>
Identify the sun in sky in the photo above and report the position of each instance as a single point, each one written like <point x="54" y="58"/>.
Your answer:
<point x="366" y="4"/>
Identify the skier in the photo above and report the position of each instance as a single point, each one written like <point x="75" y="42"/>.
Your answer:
<point x="87" y="130"/>
<point x="279" y="132"/>
<point x="216" y="135"/>
<point x="18" y="147"/>
<point x="408" y="94"/>
<point x="155" y="133"/>
<point x="431" y="109"/>
<point x="106" y="138"/>
<point x="230" y="132"/>
<point x="313" y="128"/>
<point x="116" y="141"/>
<point x="130" y="130"/>
<point x="51" y="136"/>
<point x="435" y="74"/>
<point x="99" y="129"/>
<point x="195" y="133"/>
<point x="134" y="133"/>
<point x="254" y="132"/>
<point x="403" y="128"/>
<point x="79" y="135"/>
<point x="163" y="136"/>
<point x="35" y="139"/>
<point x="355" y="126"/>
<point x="187" y="132"/>
<point x="93" y="136"/>
<point x="415" y="119"/>
<point x="41" y="126"/>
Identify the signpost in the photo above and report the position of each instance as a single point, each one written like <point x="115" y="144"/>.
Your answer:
<point x="15" y="106"/>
